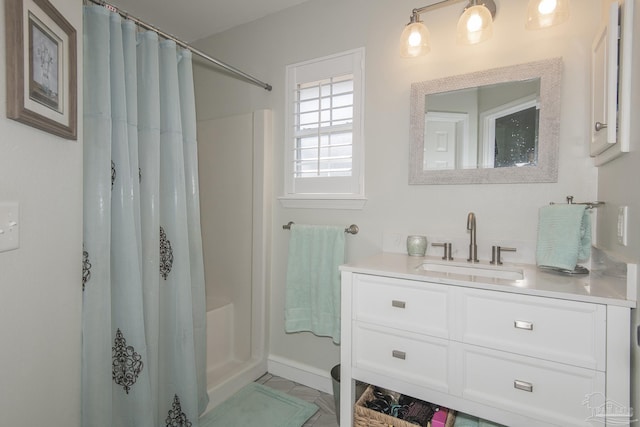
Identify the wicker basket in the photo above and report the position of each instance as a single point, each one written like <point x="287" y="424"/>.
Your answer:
<point x="365" y="417"/>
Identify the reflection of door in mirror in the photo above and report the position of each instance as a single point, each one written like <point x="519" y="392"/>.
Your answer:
<point x="446" y="140"/>
<point x="501" y="126"/>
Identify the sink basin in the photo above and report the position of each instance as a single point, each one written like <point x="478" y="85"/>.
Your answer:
<point x="473" y="270"/>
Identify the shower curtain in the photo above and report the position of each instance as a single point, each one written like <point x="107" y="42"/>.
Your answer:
<point x="144" y="314"/>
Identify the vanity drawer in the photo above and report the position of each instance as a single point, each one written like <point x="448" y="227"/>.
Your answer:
<point x="413" y="358"/>
<point x="402" y="304"/>
<point x="556" y="393"/>
<point x="557" y="330"/>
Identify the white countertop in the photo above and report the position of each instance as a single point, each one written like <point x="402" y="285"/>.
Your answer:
<point x="599" y="286"/>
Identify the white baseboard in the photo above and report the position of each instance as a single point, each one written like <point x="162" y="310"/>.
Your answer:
<point x="302" y="374"/>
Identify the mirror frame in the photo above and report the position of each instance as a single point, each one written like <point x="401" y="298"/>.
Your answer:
<point x="546" y="170"/>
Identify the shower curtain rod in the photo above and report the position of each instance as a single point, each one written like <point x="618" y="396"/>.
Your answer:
<point x="184" y="45"/>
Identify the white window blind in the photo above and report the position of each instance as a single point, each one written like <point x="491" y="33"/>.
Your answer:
<point x="324" y="127"/>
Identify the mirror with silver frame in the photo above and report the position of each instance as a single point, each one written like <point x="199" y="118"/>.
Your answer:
<point x="492" y="126"/>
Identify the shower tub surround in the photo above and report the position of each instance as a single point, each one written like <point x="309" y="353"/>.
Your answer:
<point x="235" y="289"/>
<point x="538" y="350"/>
<point x="227" y="370"/>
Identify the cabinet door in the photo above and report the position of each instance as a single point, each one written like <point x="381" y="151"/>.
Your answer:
<point x="611" y="84"/>
<point x="604" y="84"/>
<point x="402" y="304"/>
<point x="559" y="394"/>
<point x="562" y="331"/>
<point x="418" y="359"/>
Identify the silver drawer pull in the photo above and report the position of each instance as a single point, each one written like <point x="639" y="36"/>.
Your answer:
<point x="523" y="385"/>
<point x="399" y="354"/>
<point x="521" y="324"/>
<point x="398" y="304"/>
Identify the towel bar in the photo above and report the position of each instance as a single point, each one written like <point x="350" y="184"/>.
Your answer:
<point x="352" y="229"/>
<point x="590" y="205"/>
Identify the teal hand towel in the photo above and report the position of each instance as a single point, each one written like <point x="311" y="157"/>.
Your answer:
<point x="485" y="423"/>
<point x="564" y="236"/>
<point x="312" y="297"/>
<point x="465" y="420"/>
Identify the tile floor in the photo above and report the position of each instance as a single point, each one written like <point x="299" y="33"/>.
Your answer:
<point x="326" y="415"/>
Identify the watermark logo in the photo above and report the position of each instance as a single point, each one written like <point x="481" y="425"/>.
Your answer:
<point x="607" y="411"/>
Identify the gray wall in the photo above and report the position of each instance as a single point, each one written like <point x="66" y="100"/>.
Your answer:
<point x="40" y="283"/>
<point x="506" y="213"/>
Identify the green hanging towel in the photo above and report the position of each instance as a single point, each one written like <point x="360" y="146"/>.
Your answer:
<point x="312" y="298"/>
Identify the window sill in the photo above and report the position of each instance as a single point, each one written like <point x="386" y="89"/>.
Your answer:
<point x="323" y="201"/>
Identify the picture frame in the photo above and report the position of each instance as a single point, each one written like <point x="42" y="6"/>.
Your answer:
<point x="41" y="62"/>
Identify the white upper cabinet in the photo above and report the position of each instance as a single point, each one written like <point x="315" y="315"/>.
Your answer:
<point x="611" y="84"/>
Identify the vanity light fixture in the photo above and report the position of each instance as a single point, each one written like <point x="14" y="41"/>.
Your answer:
<point x="546" y="13"/>
<point x="475" y="26"/>
<point x="476" y="23"/>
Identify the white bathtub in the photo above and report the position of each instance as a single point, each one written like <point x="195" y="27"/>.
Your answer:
<point x="226" y="371"/>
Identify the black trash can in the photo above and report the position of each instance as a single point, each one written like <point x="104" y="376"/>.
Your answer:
<point x="335" y="379"/>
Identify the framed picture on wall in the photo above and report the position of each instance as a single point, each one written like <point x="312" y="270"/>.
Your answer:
<point x="41" y="67"/>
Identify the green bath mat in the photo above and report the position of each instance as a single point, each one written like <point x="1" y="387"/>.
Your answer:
<point x="256" y="405"/>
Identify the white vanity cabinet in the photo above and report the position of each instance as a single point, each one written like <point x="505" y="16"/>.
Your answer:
<point x="511" y="357"/>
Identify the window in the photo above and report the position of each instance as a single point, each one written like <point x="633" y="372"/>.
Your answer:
<point x="324" y="144"/>
<point x="511" y="134"/>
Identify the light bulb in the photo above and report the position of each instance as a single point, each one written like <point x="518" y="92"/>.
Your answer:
<point x="474" y="23"/>
<point x="546" y="13"/>
<point x="414" y="39"/>
<point x="547" y="6"/>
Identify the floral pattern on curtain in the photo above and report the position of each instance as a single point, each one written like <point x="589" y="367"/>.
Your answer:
<point x="144" y="315"/>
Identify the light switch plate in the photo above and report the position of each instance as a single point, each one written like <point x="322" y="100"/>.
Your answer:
<point x="622" y="225"/>
<point x="9" y="226"/>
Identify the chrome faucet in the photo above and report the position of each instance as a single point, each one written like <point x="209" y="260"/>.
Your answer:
<point x="473" y="247"/>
